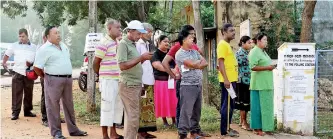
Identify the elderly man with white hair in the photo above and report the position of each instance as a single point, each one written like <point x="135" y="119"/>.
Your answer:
<point x="106" y="67"/>
<point x="147" y="116"/>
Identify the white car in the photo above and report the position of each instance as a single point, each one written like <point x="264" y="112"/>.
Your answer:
<point x="10" y="62"/>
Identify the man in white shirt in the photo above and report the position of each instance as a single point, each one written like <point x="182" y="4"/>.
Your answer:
<point x="24" y="53"/>
<point x="147" y="116"/>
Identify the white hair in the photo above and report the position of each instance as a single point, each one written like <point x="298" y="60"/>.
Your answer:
<point x="147" y="26"/>
<point x="110" y="21"/>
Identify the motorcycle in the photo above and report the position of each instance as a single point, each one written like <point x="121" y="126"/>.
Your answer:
<point x="83" y="75"/>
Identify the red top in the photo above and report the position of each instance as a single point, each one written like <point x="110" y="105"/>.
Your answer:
<point x="172" y="52"/>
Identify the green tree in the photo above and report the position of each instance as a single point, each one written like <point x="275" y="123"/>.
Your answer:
<point x="56" y="12"/>
<point x="207" y="13"/>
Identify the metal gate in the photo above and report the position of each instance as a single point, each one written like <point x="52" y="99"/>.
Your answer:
<point x="324" y="92"/>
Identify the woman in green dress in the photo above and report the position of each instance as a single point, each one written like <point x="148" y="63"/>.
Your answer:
<point x="261" y="86"/>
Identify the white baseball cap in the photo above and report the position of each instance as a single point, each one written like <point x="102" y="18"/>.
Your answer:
<point x="137" y="25"/>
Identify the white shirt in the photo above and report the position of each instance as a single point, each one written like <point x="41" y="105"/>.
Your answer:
<point x="148" y="74"/>
<point x="22" y="53"/>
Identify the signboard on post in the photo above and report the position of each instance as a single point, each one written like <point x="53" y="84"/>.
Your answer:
<point x="92" y="40"/>
<point x="245" y="28"/>
<point x="294" y="91"/>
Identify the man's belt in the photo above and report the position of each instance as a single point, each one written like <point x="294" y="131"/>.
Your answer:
<point x="63" y="76"/>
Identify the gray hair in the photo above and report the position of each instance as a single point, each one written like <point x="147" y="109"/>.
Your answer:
<point x="147" y="26"/>
<point x="110" y="21"/>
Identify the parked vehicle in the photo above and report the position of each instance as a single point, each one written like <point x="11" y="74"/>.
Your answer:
<point x="83" y="75"/>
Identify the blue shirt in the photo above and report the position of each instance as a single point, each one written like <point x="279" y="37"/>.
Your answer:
<point x="53" y="60"/>
<point x="244" y="72"/>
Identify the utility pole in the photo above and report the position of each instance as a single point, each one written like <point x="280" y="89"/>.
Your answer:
<point x="91" y="99"/>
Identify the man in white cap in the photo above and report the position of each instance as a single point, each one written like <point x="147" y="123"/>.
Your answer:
<point x="130" y="81"/>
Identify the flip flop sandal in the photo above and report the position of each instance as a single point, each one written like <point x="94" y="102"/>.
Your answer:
<point x="246" y="128"/>
<point x="150" y="136"/>
<point x="204" y="134"/>
<point x="80" y="133"/>
<point x="198" y="137"/>
<point x="232" y="133"/>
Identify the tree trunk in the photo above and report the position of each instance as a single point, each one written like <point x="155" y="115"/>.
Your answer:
<point x="170" y="15"/>
<point x="91" y="103"/>
<point x="200" y="43"/>
<point x="141" y="11"/>
<point x="307" y="15"/>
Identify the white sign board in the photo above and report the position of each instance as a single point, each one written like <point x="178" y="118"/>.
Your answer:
<point x="299" y="57"/>
<point x="294" y="95"/>
<point x="245" y="28"/>
<point x="92" y="40"/>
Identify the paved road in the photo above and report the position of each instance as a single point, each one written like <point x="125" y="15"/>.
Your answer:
<point x="6" y="80"/>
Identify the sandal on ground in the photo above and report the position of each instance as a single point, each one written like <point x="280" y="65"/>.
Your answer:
<point x="259" y="133"/>
<point x="149" y="136"/>
<point x="203" y="134"/>
<point x="79" y="133"/>
<point x="233" y="133"/>
<point x="199" y="137"/>
<point x="246" y="128"/>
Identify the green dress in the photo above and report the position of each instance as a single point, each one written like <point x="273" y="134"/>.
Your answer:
<point x="261" y="96"/>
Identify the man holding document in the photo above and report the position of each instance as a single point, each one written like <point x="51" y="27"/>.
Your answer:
<point x="228" y="77"/>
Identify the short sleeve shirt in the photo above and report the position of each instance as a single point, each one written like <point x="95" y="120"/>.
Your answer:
<point x="107" y="51"/>
<point x="53" y="60"/>
<point x="230" y="62"/>
<point x="244" y="72"/>
<point x="159" y="56"/>
<point x="126" y="52"/>
<point x="260" y="80"/>
<point x="176" y="47"/>
<point x="22" y="53"/>
<point x="193" y="76"/>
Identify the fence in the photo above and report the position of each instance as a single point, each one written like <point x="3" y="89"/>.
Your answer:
<point x="324" y="92"/>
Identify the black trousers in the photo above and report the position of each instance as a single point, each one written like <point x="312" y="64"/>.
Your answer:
<point x="42" y="102"/>
<point x="21" y="85"/>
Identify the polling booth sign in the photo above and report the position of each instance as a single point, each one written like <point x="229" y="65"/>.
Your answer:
<point x="294" y="87"/>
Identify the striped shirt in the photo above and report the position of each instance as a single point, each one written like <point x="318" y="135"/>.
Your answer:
<point x="107" y="51"/>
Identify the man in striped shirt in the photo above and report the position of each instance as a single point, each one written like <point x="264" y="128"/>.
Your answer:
<point x="106" y="67"/>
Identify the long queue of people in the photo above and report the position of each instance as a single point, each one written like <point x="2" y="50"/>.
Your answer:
<point x="143" y="83"/>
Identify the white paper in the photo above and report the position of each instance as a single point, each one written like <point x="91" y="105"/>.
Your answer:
<point x="171" y="83"/>
<point x="232" y="92"/>
<point x="296" y="110"/>
<point x="184" y="69"/>
<point x="92" y="40"/>
<point x="144" y="96"/>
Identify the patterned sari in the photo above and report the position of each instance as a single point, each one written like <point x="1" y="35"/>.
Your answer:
<point x="147" y="117"/>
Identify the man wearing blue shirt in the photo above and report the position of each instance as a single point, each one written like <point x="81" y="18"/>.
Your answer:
<point x="54" y="58"/>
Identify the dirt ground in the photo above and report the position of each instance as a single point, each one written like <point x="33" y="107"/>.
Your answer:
<point x="32" y="128"/>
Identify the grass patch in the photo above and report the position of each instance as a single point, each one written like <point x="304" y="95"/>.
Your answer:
<point x="210" y="119"/>
<point x="325" y="120"/>
<point x="79" y="98"/>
